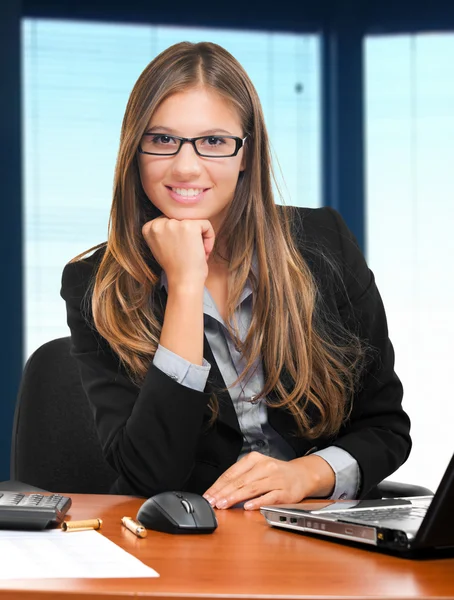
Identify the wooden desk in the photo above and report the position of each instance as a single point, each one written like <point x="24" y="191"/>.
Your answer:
<point x="244" y="558"/>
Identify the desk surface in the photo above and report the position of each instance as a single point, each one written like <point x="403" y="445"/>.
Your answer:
<point x="244" y="558"/>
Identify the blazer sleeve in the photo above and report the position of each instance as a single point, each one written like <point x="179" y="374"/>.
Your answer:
<point x="377" y="433"/>
<point x="148" y="434"/>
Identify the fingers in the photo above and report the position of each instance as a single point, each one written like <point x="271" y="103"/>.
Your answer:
<point x="181" y="247"/>
<point x="252" y="476"/>
<point x="273" y="497"/>
<point x="208" y="237"/>
<point x="234" y="473"/>
<point x="153" y="226"/>
<point x="162" y="226"/>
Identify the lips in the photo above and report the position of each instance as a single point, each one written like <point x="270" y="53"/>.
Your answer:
<point x="187" y="195"/>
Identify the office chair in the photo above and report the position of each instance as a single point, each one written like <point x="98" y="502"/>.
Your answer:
<point x="55" y="444"/>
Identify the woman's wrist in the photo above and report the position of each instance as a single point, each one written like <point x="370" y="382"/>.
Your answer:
<point x="192" y="288"/>
<point x="319" y="477"/>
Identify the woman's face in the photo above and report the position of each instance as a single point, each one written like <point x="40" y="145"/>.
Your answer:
<point x="165" y="179"/>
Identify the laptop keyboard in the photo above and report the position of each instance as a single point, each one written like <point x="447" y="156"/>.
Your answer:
<point x="382" y="514"/>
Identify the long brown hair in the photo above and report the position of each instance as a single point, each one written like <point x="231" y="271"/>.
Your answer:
<point x="310" y="368"/>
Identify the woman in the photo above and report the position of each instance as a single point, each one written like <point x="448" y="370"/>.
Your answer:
<point x="229" y="347"/>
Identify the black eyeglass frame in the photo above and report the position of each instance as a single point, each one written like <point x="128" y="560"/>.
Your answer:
<point x="239" y="144"/>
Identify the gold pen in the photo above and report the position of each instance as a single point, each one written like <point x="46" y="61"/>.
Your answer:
<point x="137" y="528"/>
<point x="81" y="525"/>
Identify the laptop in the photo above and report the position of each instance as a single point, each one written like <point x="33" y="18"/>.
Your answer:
<point x="409" y="526"/>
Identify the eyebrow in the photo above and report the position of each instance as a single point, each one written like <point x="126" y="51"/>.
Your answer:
<point x="162" y="129"/>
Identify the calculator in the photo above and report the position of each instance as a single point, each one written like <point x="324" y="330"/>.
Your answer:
<point x="31" y="511"/>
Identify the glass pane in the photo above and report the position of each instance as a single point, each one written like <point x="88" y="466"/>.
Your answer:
<point x="410" y="209"/>
<point x="77" y="77"/>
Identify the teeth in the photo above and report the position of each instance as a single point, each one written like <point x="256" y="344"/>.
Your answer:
<point x="187" y="192"/>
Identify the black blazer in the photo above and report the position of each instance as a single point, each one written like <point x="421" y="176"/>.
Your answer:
<point x="158" y="438"/>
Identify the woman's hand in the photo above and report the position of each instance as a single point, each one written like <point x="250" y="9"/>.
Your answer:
<point x="182" y="248"/>
<point x="263" y="480"/>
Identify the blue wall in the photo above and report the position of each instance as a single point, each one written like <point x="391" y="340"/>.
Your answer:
<point x="10" y="223"/>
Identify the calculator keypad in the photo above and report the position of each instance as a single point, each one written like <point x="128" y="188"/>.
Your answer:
<point x="30" y="500"/>
<point x="34" y="509"/>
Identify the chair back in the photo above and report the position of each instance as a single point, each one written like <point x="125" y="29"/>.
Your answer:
<point x="55" y="445"/>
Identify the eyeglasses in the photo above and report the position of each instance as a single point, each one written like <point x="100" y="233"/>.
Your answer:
<point x="211" y="146"/>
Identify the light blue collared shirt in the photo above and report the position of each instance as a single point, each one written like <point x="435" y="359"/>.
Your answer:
<point x="252" y="416"/>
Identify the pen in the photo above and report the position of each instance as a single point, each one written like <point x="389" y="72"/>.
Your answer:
<point x="137" y="528"/>
<point x="81" y="525"/>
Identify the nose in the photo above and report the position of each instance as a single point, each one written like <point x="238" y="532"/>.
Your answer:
<point x="186" y="163"/>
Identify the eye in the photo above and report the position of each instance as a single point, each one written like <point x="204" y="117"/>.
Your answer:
<point x="160" y="139"/>
<point x="213" y="140"/>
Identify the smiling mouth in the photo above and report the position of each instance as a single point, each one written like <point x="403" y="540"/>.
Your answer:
<point x="187" y="192"/>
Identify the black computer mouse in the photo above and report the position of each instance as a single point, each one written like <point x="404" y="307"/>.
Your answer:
<point x="178" y="512"/>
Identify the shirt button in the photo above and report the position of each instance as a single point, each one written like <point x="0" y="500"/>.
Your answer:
<point x="343" y="496"/>
<point x="260" y="443"/>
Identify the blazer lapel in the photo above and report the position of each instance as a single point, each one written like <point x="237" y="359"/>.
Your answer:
<point x="216" y="385"/>
<point x="282" y="420"/>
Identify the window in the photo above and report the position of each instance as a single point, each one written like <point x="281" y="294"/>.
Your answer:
<point x="77" y="78"/>
<point x="410" y="210"/>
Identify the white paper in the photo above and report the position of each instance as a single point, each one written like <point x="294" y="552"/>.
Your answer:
<point x="55" y="554"/>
